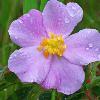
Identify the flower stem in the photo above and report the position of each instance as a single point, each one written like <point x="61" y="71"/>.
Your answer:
<point x="53" y="96"/>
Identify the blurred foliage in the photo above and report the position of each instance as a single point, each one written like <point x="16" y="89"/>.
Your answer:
<point x="10" y="86"/>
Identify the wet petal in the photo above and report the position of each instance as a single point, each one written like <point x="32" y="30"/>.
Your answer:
<point x="83" y="47"/>
<point x="61" y="19"/>
<point x="64" y="76"/>
<point x="28" y="29"/>
<point x="29" y="64"/>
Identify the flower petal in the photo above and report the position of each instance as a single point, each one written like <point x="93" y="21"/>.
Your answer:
<point x="28" y="29"/>
<point x="61" y="19"/>
<point x="29" y="64"/>
<point x="83" y="47"/>
<point x="64" y="76"/>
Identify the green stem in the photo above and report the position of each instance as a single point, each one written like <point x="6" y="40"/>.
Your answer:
<point x="53" y="96"/>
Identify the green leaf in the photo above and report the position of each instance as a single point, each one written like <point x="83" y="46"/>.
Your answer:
<point x="11" y="77"/>
<point x="45" y="95"/>
<point x="30" y="4"/>
<point x="4" y="85"/>
<point x="96" y="81"/>
<point x="96" y="90"/>
<point x="63" y="1"/>
<point x="35" y="92"/>
<point x="43" y="3"/>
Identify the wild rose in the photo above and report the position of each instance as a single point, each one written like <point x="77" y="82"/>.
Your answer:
<point x="50" y="56"/>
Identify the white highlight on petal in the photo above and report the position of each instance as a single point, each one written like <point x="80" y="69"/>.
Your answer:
<point x="87" y="48"/>
<point x="16" y="37"/>
<point x="20" y="21"/>
<point x="67" y="20"/>
<point x="90" y="45"/>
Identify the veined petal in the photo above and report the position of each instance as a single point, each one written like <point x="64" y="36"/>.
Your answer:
<point x="28" y="29"/>
<point x="29" y="64"/>
<point x="83" y="47"/>
<point x="61" y="19"/>
<point x="64" y="76"/>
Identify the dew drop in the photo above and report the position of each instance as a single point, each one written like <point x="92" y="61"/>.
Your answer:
<point x="90" y="45"/>
<point x="20" y="21"/>
<point x="65" y="98"/>
<point x="16" y="37"/>
<point x="99" y="56"/>
<point x="74" y="8"/>
<point x="97" y="49"/>
<point x="87" y="48"/>
<point x="67" y="20"/>
<point x="15" y="55"/>
<point x="72" y="13"/>
<point x="5" y="89"/>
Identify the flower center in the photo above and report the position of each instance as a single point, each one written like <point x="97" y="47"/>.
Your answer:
<point x="52" y="45"/>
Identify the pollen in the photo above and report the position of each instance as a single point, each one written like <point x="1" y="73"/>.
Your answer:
<point x="54" y="45"/>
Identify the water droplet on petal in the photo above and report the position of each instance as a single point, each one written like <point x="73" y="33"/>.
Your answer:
<point x="15" y="55"/>
<point x="16" y="37"/>
<point x="99" y="56"/>
<point x="90" y="45"/>
<point x="97" y="49"/>
<point x="74" y="8"/>
<point x="72" y="13"/>
<point x="87" y="48"/>
<point x="20" y="21"/>
<point x="67" y="20"/>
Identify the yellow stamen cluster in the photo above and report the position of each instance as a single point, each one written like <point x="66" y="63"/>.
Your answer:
<point x="52" y="45"/>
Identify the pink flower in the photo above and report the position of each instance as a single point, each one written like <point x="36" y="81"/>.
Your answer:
<point x="49" y="55"/>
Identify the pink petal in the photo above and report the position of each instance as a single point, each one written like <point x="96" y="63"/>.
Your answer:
<point x="64" y="76"/>
<point x="61" y="19"/>
<point x="29" y="64"/>
<point x="28" y="29"/>
<point x="83" y="47"/>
